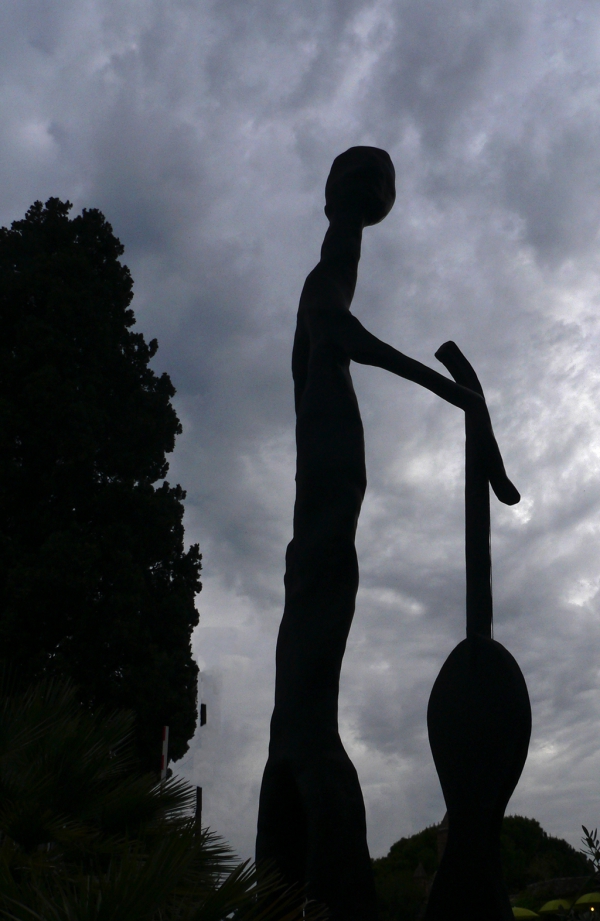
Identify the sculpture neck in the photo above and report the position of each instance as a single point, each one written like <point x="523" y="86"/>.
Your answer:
<point x="477" y="539"/>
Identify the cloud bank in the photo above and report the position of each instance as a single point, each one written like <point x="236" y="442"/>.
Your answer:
<point x="204" y="131"/>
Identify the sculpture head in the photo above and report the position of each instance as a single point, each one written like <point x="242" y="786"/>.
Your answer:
<point x="361" y="180"/>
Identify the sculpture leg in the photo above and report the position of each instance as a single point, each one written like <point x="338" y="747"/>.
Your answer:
<point x="281" y="836"/>
<point x="339" y="872"/>
<point x="312" y="828"/>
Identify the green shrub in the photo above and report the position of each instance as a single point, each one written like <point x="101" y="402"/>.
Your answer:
<point x="84" y="836"/>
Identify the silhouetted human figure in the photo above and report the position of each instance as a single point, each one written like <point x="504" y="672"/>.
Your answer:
<point x="311" y="822"/>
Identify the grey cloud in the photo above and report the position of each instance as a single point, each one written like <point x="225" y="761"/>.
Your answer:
<point x="556" y="192"/>
<point x="441" y="60"/>
<point x="205" y="132"/>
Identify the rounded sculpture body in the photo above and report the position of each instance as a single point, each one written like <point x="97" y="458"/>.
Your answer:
<point x="479" y="721"/>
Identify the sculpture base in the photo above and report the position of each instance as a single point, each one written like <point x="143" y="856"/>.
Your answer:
<point x="479" y="721"/>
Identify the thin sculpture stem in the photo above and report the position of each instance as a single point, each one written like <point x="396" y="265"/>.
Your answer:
<point x="477" y="504"/>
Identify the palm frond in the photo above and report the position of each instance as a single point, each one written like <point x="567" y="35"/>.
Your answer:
<point x="85" y="837"/>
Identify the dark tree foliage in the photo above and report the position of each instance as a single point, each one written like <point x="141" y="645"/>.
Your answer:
<point x="529" y="855"/>
<point x="400" y="894"/>
<point x="84" y="836"/>
<point x="95" y="583"/>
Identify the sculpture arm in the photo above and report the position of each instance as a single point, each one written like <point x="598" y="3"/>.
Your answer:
<point x="366" y="349"/>
<point x="361" y="346"/>
<point x="325" y="308"/>
<point x="324" y="316"/>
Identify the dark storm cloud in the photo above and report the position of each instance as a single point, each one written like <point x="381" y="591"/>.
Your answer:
<point x="205" y="131"/>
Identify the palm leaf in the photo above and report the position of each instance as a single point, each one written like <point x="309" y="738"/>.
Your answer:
<point x="85" y="837"/>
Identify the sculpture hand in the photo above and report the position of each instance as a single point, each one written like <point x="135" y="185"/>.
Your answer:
<point x="463" y="373"/>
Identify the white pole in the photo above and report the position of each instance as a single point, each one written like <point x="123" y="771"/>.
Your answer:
<point x="165" y="753"/>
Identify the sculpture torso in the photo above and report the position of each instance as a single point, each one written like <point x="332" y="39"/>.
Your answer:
<point x="321" y="567"/>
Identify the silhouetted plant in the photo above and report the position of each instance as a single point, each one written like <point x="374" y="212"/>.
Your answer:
<point x="529" y="855"/>
<point x="95" y="583"/>
<point x="84" y="836"/>
<point x="591" y="849"/>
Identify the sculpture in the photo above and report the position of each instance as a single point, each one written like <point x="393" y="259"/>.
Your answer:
<point x="311" y="822"/>
<point x="479" y="717"/>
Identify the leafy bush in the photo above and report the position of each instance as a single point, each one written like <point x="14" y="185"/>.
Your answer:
<point x="591" y="849"/>
<point x="529" y="855"/>
<point x="84" y="836"/>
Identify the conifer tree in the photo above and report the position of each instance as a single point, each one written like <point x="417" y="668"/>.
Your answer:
<point x="95" y="583"/>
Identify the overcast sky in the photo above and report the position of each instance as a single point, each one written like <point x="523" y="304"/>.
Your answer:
<point x="204" y="130"/>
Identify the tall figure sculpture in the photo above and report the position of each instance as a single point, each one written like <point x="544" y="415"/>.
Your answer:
<point x="311" y="822"/>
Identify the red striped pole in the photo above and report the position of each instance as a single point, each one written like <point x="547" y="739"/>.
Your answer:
<point x="165" y="753"/>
